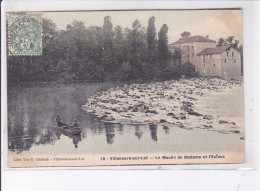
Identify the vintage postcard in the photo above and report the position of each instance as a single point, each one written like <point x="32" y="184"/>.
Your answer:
<point x="136" y="87"/>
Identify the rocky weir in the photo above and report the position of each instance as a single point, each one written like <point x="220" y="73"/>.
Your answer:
<point x="168" y="103"/>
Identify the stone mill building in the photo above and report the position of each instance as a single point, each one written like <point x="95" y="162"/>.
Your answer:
<point x="208" y="58"/>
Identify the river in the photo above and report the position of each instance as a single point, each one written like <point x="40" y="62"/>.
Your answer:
<point x="32" y="109"/>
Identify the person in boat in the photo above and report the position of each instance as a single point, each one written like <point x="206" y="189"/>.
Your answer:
<point x="58" y="120"/>
<point x="76" y="124"/>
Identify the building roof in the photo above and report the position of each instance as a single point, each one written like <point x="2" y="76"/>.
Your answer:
<point x="192" y="39"/>
<point x="217" y="50"/>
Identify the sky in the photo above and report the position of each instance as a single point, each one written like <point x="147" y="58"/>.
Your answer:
<point x="215" y="23"/>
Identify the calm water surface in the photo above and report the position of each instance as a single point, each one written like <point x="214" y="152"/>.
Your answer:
<point x="31" y="130"/>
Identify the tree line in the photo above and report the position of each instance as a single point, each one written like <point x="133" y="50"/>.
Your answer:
<point x="106" y="53"/>
<point x="94" y="53"/>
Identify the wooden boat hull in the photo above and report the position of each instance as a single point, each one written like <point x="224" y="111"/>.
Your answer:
<point x="69" y="129"/>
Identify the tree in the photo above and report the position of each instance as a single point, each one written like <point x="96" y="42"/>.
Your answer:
<point x="230" y="39"/>
<point x="137" y="44"/>
<point x="97" y="54"/>
<point x="221" y="42"/>
<point x="185" y="34"/>
<point x="127" y="44"/>
<point x="119" y="44"/>
<point x="108" y="59"/>
<point x="125" y="71"/>
<point x="94" y="43"/>
<point x="163" y="53"/>
<point x="188" y="69"/>
<point x="74" y="48"/>
<point x="49" y="34"/>
<point x="235" y="44"/>
<point x="49" y="31"/>
<point x="151" y="40"/>
<point x="108" y="33"/>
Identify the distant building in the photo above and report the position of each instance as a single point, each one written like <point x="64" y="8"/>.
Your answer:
<point x="208" y="59"/>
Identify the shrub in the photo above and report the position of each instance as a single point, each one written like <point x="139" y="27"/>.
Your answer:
<point x="188" y="69"/>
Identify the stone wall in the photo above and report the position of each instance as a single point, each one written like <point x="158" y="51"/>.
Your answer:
<point x="209" y="65"/>
<point x="231" y="63"/>
<point x="227" y="64"/>
<point x="189" y="51"/>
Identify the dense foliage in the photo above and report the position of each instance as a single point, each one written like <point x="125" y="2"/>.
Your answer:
<point x="97" y="54"/>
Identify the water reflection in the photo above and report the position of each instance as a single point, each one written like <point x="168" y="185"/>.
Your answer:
<point x="138" y="131"/>
<point x="110" y="132"/>
<point x="153" y="129"/>
<point x="23" y="137"/>
<point x="166" y="129"/>
<point x="76" y="140"/>
<point x="32" y="110"/>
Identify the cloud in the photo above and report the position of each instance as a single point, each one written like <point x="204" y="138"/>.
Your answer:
<point x="215" y="28"/>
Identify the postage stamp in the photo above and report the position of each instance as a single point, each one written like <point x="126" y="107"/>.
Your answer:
<point x="24" y="34"/>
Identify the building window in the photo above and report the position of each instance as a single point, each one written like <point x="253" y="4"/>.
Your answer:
<point x="192" y="55"/>
<point x="234" y="61"/>
<point x="225" y="60"/>
<point x="214" y="65"/>
<point x="227" y="53"/>
<point x="188" y="55"/>
<point x="204" y="60"/>
<point x="192" y="48"/>
<point x="210" y="56"/>
<point x="232" y="53"/>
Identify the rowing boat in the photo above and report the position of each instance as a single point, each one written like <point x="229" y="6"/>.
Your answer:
<point x="69" y="129"/>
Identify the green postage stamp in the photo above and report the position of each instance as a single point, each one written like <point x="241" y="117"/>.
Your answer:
<point x="24" y="34"/>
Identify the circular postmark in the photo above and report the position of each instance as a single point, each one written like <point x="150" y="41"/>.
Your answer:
<point x="25" y="35"/>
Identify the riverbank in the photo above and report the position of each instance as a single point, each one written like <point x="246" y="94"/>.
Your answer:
<point x="170" y="103"/>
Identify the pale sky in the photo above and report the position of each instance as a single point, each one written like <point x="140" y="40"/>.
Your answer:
<point x="215" y="23"/>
